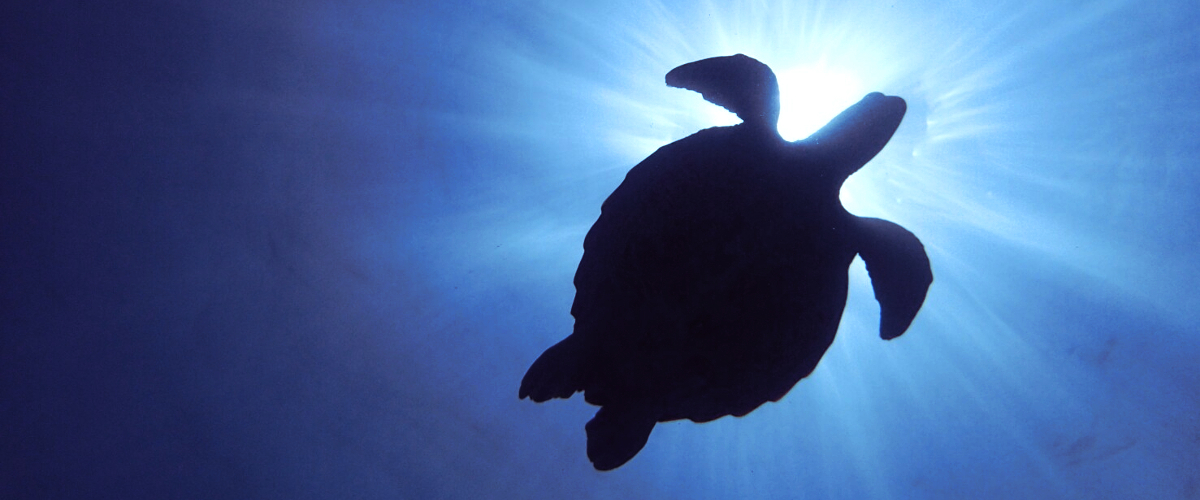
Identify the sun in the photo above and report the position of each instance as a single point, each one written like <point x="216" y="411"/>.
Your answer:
<point x="810" y="96"/>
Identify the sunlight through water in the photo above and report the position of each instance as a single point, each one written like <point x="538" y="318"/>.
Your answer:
<point x="810" y="96"/>
<point x="266" y="249"/>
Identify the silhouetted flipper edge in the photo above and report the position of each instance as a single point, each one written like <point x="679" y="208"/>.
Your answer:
<point x="856" y="135"/>
<point x="741" y="84"/>
<point x="557" y="373"/>
<point x="616" y="434"/>
<point x="899" y="270"/>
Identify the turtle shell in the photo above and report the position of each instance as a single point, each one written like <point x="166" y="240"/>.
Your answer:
<point x="714" y="279"/>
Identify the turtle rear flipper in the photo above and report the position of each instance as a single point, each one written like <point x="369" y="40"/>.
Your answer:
<point x="616" y="434"/>
<point x="558" y="373"/>
<point x="899" y="270"/>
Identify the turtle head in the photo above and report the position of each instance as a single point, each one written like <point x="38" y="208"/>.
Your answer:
<point x="737" y="83"/>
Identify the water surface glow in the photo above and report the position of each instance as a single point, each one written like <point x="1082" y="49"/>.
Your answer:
<point x="307" y="250"/>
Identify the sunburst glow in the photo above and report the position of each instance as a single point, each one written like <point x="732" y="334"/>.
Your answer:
<point x="810" y="96"/>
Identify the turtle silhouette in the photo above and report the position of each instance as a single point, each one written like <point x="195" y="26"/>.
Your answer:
<point x="716" y="275"/>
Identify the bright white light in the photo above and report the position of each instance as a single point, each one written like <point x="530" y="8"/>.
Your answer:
<point x="810" y="96"/>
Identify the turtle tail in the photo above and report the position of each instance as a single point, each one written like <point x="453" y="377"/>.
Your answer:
<point x="557" y="373"/>
<point x="616" y="434"/>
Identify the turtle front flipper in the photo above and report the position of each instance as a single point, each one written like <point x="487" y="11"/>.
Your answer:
<point x="899" y="270"/>
<point x="738" y="83"/>
<point x="859" y="133"/>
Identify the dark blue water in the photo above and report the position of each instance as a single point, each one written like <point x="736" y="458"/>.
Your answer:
<point x="308" y="249"/>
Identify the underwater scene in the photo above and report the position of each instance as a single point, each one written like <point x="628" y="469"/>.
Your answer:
<point x="600" y="250"/>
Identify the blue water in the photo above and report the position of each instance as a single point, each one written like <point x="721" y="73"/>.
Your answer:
<point x="308" y="249"/>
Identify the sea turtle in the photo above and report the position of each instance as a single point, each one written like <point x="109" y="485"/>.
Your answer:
<point x="716" y="275"/>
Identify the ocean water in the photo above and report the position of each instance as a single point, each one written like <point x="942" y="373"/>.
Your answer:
<point x="308" y="249"/>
